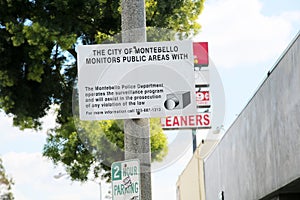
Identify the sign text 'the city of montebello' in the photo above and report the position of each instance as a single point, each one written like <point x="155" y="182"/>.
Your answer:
<point x="135" y="54"/>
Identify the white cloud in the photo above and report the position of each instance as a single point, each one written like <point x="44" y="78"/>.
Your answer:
<point x="239" y="34"/>
<point x="13" y="139"/>
<point x="34" y="179"/>
<point x="292" y="16"/>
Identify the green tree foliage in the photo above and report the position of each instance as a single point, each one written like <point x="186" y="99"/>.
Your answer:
<point x="38" y="68"/>
<point x="96" y="141"/>
<point x="5" y="184"/>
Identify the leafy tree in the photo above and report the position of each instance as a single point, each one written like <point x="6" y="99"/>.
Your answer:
<point x="5" y="184"/>
<point x="96" y="141"/>
<point x="38" y="60"/>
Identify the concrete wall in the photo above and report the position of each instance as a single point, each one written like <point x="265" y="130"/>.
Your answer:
<point x="260" y="153"/>
<point x="190" y="183"/>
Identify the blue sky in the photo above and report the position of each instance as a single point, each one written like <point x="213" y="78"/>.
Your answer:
<point x="276" y="7"/>
<point x="245" y="40"/>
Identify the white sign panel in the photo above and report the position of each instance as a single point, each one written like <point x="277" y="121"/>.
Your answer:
<point x="125" y="178"/>
<point x="200" y="120"/>
<point x="202" y="78"/>
<point x="136" y="80"/>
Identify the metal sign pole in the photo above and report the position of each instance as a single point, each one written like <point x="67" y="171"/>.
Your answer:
<point x="194" y="132"/>
<point x="137" y="133"/>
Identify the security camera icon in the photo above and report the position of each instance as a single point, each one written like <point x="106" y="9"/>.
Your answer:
<point x="177" y="100"/>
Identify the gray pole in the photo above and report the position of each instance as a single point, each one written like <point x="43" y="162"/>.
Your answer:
<point x="137" y="133"/>
<point x="100" y="188"/>
<point x="194" y="135"/>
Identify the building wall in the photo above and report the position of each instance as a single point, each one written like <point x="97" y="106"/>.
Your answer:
<point x="260" y="152"/>
<point x="190" y="184"/>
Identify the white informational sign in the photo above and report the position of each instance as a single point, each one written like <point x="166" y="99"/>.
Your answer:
<point x="125" y="178"/>
<point x="136" y="80"/>
<point x="200" y="120"/>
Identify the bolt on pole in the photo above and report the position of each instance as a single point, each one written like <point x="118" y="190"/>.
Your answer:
<point x="137" y="132"/>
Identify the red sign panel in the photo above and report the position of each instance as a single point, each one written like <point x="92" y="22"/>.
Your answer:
<point x="203" y="98"/>
<point x="200" y="120"/>
<point x="200" y="53"/>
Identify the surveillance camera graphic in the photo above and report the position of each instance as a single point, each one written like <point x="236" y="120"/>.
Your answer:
<point x="177" y="100"/>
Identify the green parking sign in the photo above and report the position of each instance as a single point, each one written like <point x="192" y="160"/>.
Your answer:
<point x="116" y="171"/>
<point x="125" y="176"/>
